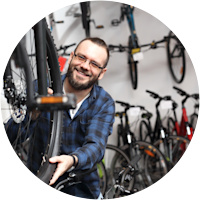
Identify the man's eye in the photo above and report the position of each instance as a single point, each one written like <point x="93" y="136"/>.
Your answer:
<point x="81" y="57"/>
<point x="94" y="64"/>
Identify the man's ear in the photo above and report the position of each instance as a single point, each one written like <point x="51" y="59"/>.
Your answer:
<point x="70" y="57"/>
<point x="102" y="73"/>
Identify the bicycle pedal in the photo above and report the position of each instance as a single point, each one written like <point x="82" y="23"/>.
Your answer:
<point x="59" y="22"/>
<point x="77" y="14"/>
<point x="100" y="26"/>
<point x="56" y="102"/>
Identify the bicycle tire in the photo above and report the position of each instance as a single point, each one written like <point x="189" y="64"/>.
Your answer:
<point x="85" y="9"/>
<point x="177" y="147"/>
<point x="24" y="144"/>
<point x="193" y="121"/>
<point x="103" y="177"/>
<point x="145" y="133"/>
<point x="132" y="68"/>
<point x="152" y="165"/>
<point x="115" y="161"/>
<point x="171" y="126"/>
<point x="176" y="58"/>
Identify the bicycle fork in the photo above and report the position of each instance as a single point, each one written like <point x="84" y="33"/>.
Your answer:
<point x="166" y="148"/>
<point x="185" y="123"/>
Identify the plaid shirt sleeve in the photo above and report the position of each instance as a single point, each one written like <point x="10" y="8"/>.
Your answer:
<point x="98" y="128"/>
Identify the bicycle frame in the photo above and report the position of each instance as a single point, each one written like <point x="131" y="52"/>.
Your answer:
<point x="183" y="128"/>
<point x="128" y="11"/>
<point x="158" y="128"/>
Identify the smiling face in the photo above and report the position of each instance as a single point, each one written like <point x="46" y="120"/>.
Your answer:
<point x="82" y="75"/>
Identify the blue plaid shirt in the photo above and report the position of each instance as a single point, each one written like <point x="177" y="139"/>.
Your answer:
<point x="84" y="136"/>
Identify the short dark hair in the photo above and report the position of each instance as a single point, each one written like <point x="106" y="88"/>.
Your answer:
<point x="98" y="42"/>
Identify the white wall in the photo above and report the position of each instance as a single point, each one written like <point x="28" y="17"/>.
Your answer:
<point x="153" y="72"/>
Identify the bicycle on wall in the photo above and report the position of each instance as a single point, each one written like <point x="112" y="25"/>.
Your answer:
<point x="175" y="50"/>
<point x="32" y="67"/>
<point x="85" y="15"/>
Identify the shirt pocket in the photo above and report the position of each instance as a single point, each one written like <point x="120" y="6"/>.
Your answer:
<point x="83" y="124"/>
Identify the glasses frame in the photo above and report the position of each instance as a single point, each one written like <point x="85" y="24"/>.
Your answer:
<point x="89" y="62"/>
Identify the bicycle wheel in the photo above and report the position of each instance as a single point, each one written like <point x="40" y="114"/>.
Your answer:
<point x="35" y="135"/>
<point x="132" y="67"/>
<point x="144" y="132"/>
<point x="176" y="57"/>
<point x="193" y="121"/>
<point x="115" y="160"/>
<point x="171" y="126"/>
<point x="152" y="166"/>
<point x="176" y="145"/>
<point x="103" y="176"/>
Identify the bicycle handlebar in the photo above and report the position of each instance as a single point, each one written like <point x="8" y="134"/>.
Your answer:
<point x="64" y="48"/>
<point x="119" y="47"/>
<point x="183" y="93"/>
<point x="179" y="91"/>
<point x="153" y="94"/>
<point x="153" y="45"/>
<point x="127" y="105"/>
<point x="195" y="96"/>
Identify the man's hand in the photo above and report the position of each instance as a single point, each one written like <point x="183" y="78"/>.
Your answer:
<point x="49" y="91"/>
<point x="64" y="163"/>
<point x="35" y="113"/>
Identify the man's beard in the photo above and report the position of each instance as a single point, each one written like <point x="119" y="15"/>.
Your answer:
<point x="80" y="86"/>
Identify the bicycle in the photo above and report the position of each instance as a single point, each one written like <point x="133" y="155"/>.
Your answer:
<point x="85" y="15"/>
<point x="175" y="50"/>
<point x="126" y="175"/>
<point x="28" y="74"/>
<point x="184" y="128"/>
<point x="173" y="147"/>
<point x="114" y="161"/>
<point x="152" y="166"/>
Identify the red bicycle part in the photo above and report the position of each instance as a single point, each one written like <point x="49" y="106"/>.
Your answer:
<point x="62" y="62"/>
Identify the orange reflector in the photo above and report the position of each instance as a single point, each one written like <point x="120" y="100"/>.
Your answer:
<point x="52" y="99"/>
<point x="181" y="71"/>
<point x="149" y="153"/>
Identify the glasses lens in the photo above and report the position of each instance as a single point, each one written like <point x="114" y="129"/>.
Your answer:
<point x="94" y="65"/>
<point x="81" y="58"/>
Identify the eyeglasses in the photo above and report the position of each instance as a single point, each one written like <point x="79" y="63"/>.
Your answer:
<point x="92" y="64"/>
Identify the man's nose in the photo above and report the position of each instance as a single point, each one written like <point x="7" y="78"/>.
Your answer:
<point x="86" y="65"/>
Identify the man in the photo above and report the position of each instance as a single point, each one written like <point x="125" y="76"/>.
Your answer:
<point x="90" y="124"/>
